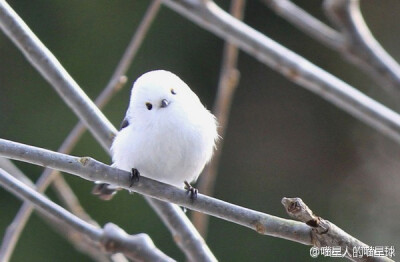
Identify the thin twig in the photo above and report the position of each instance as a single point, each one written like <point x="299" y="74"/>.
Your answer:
<point x="136" y="42"/>
<point x="170" y="215"/>
<point x="361" y="47"/>
<point x="115" y="83"/>
<point x="66" y="147"/>
<point x="50" y="68"/>
<point x="228" y="81"/>
<point x="76" y="238"/>
<point x="62" y="189"/>
<point x="354" y="41"/>
<point x="90" y="169"/>
<point x="307" y="23"/>
<point x="70" y="92"/>
<point x="112" y="238"/>
<point x="8" y="166"/>
<point x="325" y="233"/>
<point x="208" y="15"/>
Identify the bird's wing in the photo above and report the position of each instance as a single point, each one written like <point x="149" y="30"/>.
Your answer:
<point x="124" y="123"/>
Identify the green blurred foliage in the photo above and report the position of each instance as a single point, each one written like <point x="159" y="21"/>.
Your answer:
<point x="281" y="141"/>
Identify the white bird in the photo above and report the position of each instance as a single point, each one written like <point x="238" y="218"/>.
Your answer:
<point x="166" y="135"/>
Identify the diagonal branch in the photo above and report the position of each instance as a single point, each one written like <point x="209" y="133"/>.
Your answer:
<point x="208" y="15"/>
<point x="361" y="47"/>
<point x="170" y="215"/>
<point x="8" y="166"/>
<point x="229" y="78"/>
<point x="115" y="84"/>
<point x="90" y="169"/>
<point x="76" y="238"/>
<point x="325" y="233"/>
<point x="62" y="188"/>
<point x="354" y="40"/>
<point x="51" y="69"/>
<point x="40" y="57"/>
<point x="135" y="43"/>
<point x="306" y="23"/>
<point x="111" y="238"/>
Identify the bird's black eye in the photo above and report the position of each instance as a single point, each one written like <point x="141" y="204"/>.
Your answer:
<point x="173" y="91"/>
<point x="149" y="106"/>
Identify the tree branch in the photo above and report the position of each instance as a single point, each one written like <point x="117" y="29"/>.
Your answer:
<point x="208" y="15"/>
<point x="354" y="41"/>
<point x="117" y="81"/>
<point x="90" y="169"/>
<point x="62" y="189"/>
<point x="306" y="23"/>
<point x="135" y="43"/>
<point x="8" y="166"/>
<point x="112" y="238"/>
<point x="49" y="67"/>
<point x="138" y="247"/>
<point x="97" y="123"/>
<point x="76" y="238"/>
<point x="228" y="81"/>
<point x="361" y="47"/>
<point x="171" y="216"/>
<point x="325" y="233"/>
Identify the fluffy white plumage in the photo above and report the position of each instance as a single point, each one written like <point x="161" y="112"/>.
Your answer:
<point x="167" y="134"/>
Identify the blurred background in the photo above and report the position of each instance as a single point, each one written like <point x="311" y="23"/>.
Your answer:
<point x="281" y="141"/>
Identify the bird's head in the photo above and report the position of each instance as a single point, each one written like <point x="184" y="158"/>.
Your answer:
<point x="157" y="92"/>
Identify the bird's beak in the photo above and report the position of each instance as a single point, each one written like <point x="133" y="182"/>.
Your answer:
<point x="164" y="103"/>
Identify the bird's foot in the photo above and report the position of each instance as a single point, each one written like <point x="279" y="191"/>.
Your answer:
<point x="191" y="190"/>
<point x="135" y="176"/>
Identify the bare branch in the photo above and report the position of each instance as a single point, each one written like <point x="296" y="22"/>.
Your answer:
<point x="24" y="192"/>
<point x="207" y="14"/>
<point x="69" y="143"/>
<point x="62" y="188"/>
<point x="90" y="169"/>
<point x="69" y="199"/>
<point x="112" y="238"/>
<point x="49" y="67"/>
<point x="76" y="238"/>
<point x="116" y="82"/>
<point x="8" y="166"/>
<point x="361" y="46"/>
<point x="354" y="41"/>
<point x="135" y="42"/>
<point x="98" y="124"/>
<point x="229" y="78"/>
<point x="306" y="23"/>
<point x="325" y="233"/>
<point x="137" y="247"/>
<point x="172" y="218"/>
<point x="299" y="70"/>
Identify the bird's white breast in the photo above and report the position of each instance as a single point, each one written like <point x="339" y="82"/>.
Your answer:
<point x="172" y="148"/>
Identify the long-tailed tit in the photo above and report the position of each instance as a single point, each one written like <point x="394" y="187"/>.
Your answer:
<point x="166" y="135"/>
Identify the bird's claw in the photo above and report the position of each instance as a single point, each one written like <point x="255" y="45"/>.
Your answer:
<point x="191" y="190"/>
<point x="135" y="176"/>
